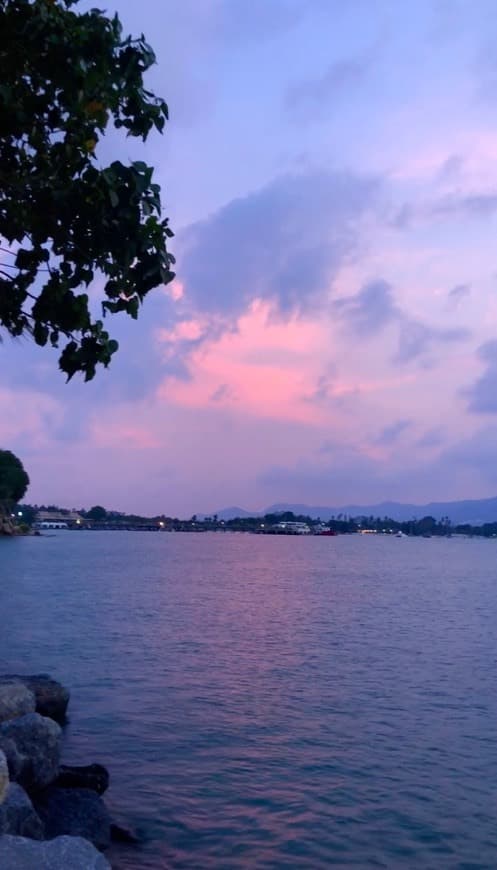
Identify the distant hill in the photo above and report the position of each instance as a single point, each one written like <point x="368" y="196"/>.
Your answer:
<point x="474" y="511"/>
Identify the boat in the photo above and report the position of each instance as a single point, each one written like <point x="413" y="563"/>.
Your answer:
<point x="292" y="528"/>
<point x="324" y="531"/>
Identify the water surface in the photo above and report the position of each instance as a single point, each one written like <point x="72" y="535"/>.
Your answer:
<point x="273" y="702"/>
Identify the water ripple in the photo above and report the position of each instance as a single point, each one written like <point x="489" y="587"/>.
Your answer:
<point x="273" y="703"/>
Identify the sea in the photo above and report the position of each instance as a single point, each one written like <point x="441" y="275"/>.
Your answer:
<point x="272" y="702"/>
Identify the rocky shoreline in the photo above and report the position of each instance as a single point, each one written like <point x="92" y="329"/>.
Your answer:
<point x="7" y="527"/>
<point x="51" y="815"/>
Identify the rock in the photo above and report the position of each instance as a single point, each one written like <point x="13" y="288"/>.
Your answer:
<point x="7" y="527"/>
<point x="15" y="700"/>
<point x="17" y="815"/>
<point x="32" y="746"/>
<point x="119" y="834"/>
<point x="63" y="853"/>
<point x="4" y="776"/>
<point x="51" y="697"/>
<point x="79" y="812"/>
<point x="92" y="776"/>
<point x="14" y="758"/>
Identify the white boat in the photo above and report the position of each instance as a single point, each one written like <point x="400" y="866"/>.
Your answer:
<point x="293" y="528"/>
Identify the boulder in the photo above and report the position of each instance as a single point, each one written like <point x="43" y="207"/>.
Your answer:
<point x="15" y="760"/>
<point x="92" y="776"/>
<point x="4" y="776"/>
<point x="32" y="746"/>
<point x="119" y="834"/>
<point x="15" y="700"/>
<point x="78" y="812"/>
<point x="17" y="815"/>
<point x="7" y="527"/>
<point x="64" y="853"/>
<point x="51" y="697"/>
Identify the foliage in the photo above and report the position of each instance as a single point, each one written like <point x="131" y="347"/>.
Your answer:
<point x="14" y="480"/>
<point x="26" y="513"/>
<point x="424" y="527"/>
<point x="96" y="513"/>
<point x="66" y="221"/>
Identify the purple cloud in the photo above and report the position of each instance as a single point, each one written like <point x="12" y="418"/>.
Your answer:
<point x="432" y="438"/>
<point x="458" y="293"/>
<point x="373" y="308"/>
<point x="223" y="392"/>
<point x="391" y="433"/>
<point x="314" y="97"/>
<point x="482" y="395"/>
<point x="370" y="310"/>
<point x="283" y="243"/>
<point x="345" y="473"/>
<point x="416" y="339"/>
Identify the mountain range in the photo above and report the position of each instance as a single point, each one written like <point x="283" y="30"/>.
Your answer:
<point x="474" y="511"/>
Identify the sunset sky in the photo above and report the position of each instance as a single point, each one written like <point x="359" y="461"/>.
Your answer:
<point x="330" y="171"/>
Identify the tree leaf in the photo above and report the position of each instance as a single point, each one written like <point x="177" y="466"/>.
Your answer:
<point x="65" y="77"/>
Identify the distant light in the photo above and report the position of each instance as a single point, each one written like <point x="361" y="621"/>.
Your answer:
<point x="161" y="524"/>
<point x="19" y="513"/>
<point x="78" y="522"/>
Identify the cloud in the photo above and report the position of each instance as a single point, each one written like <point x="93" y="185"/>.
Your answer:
<point x="27" y="424"/>
<point x="352" y="473"/>
<point x="257" y="20"/>
<point x="323" y="390"/>
<point x="451" y="168"/>
<point x="70" y="410"/>
<point x="370" y="310"/>
<point x="458" y="293"/>
<point x="431" y="438"/>
<point x="373" y="308"/>
<point x="283" y="244"/>
<point x="312" y="98"/>
<point x="478" y="205"/>
<point x="416" y="339"/>
<point x="246" y="369"/>
<point x="458" y="205"/>
<point x="222" y="393"/>
<point x="136" y="370"/>
<point x="328" y="480"/>
<point x="478" y="453"/>
<point x="482" y="395"/>
<point x="391" y="433"/>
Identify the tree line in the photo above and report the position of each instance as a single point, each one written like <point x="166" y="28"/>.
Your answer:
<point x="99" y="517"/>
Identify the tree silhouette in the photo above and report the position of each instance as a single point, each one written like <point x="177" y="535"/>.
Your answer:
<point x="65" y="219"/>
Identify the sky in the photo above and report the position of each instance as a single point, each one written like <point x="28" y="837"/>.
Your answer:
<point x="330" y="172"/>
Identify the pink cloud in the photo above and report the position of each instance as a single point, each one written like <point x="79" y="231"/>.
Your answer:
<point x="175" y="290"/>
<point x="188" y="330"/>
<point x="105" y="433"/>
<point x="263" y="366"/>
<point x="31" y="417"/>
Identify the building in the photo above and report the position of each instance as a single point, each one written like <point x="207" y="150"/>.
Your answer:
<point x="57" y="520"/>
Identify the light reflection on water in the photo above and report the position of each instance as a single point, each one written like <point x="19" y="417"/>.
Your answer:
<point x="273" y="702"/>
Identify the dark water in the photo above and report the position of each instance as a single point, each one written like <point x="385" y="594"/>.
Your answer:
<point x="273" y="702"/>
